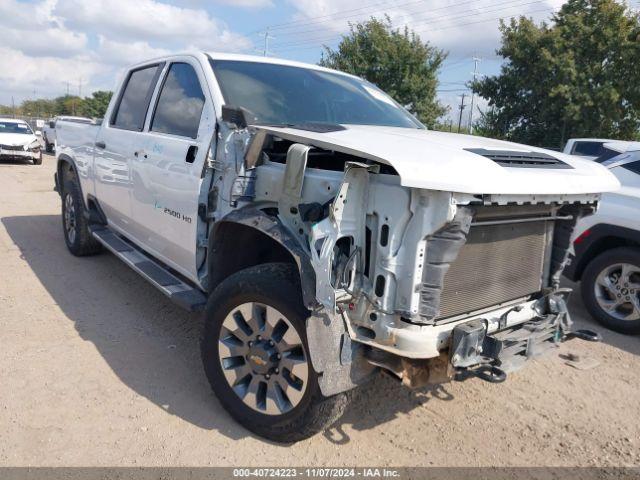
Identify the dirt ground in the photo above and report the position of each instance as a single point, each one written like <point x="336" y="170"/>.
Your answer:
<point x="97" y="368"/>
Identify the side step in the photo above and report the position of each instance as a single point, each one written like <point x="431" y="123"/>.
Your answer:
<point x="182" y="293"/>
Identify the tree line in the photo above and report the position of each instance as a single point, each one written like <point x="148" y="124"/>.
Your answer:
<point x="94" y="106"/>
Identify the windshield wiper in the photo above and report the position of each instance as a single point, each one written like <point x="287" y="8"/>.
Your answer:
<point x="317" y="127"/>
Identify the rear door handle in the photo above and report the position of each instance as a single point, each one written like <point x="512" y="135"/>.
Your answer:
<point x="101" y="145"/>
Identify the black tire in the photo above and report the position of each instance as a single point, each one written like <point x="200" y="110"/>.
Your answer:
<point x="38" y="161"/>
<point x="275" y="285"/>
<point x="622" y="255"/>
<point x="48" y="147"/>
<point x="82" y="243"/>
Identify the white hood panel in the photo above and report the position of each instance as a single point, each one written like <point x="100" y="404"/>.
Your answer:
<point x="438" y="161"/>
<point x="17" y="139"/>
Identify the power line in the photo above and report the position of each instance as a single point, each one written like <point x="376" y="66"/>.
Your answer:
<point x="444" y="28"/>
<point x="331" y="16"/>
<point x="449" y="16"/>
<point x="449" y="90"/>
<point x="383" y="10"/>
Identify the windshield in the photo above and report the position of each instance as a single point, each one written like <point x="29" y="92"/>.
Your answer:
<point x="13" y="127"/>
<point x="285" y="95"/>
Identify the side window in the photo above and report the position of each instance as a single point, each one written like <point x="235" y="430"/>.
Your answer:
<point x="633" y="167"/>
<point x="180" y="103"/>
<point x="134" y="100"/>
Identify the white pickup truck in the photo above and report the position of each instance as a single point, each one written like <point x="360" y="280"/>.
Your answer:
<point x="49" y="136"/>
<point x="323" y="230"/>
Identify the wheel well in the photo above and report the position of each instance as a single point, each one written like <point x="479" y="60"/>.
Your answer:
<point x="65" y="171"/>
<point x="599" y="246"/>
<point x="236" y="246"/>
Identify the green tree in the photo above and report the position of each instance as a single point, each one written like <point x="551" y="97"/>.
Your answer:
<point x="578" y="76"/>
<point x="96" y="105"/>
<point x="396" y="61"/>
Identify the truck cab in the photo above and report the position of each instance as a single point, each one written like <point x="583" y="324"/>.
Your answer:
<point x="323" y="231"/>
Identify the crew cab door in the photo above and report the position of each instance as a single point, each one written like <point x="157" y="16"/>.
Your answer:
<point x="117" y="141"/>
<point x="167" y="165"/>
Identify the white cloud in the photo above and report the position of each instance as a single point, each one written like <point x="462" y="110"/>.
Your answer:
<point x="151" y="20"/>
<point x="33" y="30"/>
<point x="63" y="43"/>
<point x="127" y="53"/>
<point x="45" y="74"/>
<point x="234" y="3"/>
<point x="49" y="42"/>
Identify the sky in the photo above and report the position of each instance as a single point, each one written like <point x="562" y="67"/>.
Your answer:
<point x="49" y="47"/>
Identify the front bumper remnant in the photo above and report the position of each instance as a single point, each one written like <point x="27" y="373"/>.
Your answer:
<point x="491" y="356"/>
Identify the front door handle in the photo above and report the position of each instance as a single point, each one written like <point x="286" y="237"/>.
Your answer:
<point x="101" y="145"/>
<point x="191" y="154"/>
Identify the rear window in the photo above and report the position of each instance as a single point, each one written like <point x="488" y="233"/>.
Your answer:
<point x="588" y="149"/>
<point x="134" y="100"/>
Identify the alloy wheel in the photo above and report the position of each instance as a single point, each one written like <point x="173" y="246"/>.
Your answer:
<point x="263" y="358"/>
<point x="617" y="290"/>
<point x="70" y="218"/>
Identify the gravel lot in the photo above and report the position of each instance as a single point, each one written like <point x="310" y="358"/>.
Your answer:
<point x="97" y="368"/>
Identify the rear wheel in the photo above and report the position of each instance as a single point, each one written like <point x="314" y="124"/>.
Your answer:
<point x="255" y="355"/>
<point x="38" y="160"/>
<point x="75" y="225"/>
<point x="611" y="289"/>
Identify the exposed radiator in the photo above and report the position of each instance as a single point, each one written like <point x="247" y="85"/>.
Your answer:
<point x="498" y="263"/>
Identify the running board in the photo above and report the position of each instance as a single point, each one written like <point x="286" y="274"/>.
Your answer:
<point x="179" y="291"/>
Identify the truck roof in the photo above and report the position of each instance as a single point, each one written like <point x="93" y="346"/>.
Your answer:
<point x="242" y="58"/>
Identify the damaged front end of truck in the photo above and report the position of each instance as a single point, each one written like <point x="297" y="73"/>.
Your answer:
<point x="425" y="283"/>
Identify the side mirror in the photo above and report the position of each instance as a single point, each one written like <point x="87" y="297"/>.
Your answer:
<point x="38" y="133"/>
<point x="52" y="124"/>
<point x="235" y="115"/>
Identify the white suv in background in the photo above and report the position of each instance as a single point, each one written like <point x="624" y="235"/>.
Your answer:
<point x="606" y="245"/>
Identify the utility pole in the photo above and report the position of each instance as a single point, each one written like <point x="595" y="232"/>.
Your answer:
<point x="461" y="107"/>
<point x="267" y="37"/>
<point x="36" y="103"/>
<point x="13" y="106"/>
<point x="80" y="87"/>
<point x="476" y="60"/>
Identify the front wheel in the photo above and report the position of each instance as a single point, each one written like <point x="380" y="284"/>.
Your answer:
<point x="611" y="289"/>
<point x="256" y="356"/>
<point x="38" y="160"/>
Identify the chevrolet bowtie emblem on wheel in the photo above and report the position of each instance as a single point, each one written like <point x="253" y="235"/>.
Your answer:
<point x="257" y="360"/>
